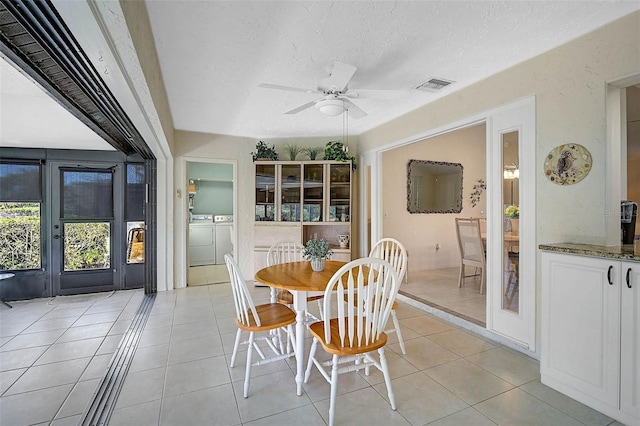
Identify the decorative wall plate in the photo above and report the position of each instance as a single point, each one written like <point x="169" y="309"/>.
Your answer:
<point x="567" y="164"/>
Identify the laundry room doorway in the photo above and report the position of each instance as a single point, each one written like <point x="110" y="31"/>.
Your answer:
<point x="210" y="232"/>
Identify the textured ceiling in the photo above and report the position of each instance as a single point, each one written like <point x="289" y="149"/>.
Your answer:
<point x="213" y="54"/>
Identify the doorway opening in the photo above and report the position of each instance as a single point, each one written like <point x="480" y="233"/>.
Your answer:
<point x="430" y="238"/>
<point x="211" y="231"/>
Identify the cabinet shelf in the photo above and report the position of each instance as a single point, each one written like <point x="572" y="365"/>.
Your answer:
<point x="315" y="195"/>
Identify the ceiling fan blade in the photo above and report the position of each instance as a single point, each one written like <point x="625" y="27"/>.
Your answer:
<point x="302" y="107"/>
<point x="353" y="110"/>
<point x="290" y="89"/>
<point x="375" y="93"/>
<point x="341" y="75"/>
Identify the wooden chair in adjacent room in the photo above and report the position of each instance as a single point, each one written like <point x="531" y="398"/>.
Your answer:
<point x="471" y="250"/>
<point x="393" y="251"/>
<point x="258" y="319"/>
<point x="369" y="287"/>
<point x="290" y="251"/>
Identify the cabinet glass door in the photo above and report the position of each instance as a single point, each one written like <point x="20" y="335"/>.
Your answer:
<point x="339" y="192"/>
<point x="265" y="192"/>
<point x="290" y="184"/>
<point x="313" y="193"/>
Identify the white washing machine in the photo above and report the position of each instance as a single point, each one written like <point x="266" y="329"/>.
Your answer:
<point x="223" y="224"/>
<point x="202" y="240"/>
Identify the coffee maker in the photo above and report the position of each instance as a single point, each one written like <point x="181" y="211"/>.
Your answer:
<point x="628" y="217"/>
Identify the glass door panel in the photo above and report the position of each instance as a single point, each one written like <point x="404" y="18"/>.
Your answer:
<point x="85" y="228"/>
<point x="134" y="217"/>
<point x="339" y="192"/>
<point x="290" y="183"/>
<point x="511" y="222"/>
<point x="135" y="242"/>
<point x="313" y="193"/>
<point x="87" y="245"/>
<point x="265" y="192"/>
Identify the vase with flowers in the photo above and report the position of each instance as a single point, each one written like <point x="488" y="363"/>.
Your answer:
<point x="317" y="251"/>
<point x="513" y="215"/>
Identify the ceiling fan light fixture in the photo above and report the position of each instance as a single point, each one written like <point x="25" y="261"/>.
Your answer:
<point x="511" y="171"/>
<point x="330" y="106"/>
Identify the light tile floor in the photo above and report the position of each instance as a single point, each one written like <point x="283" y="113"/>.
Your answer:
<point x="180" y="374"/>
<point x="207" y="274"/>
<point x="54" y="351"/>
<point x="439" y="288"/>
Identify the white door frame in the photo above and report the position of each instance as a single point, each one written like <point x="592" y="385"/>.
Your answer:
<point x="373" y="158"/>
<point x="616" y="159"/>
<point x="517" y="326"/>
<point x="181" y="213"/>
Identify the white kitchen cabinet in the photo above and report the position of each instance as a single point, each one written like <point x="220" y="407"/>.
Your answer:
<point x="630" y="340"/>
<point x="590" y="332"/>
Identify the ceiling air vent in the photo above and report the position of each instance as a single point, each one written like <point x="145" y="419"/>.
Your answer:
<point x="434" y="84"/>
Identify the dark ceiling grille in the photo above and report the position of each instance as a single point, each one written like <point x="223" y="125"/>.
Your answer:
<point x="34" y="37"/>
<point x="434" y="84"/>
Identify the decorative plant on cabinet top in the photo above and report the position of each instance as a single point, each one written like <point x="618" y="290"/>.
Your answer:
<point x="264" y="152"/>
<point x="335" y="150"/>
<point x="312" y="153"/>
<point x="292" y="150"/>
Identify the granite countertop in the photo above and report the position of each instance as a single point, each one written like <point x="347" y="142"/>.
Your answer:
<point x="622" y="252"/>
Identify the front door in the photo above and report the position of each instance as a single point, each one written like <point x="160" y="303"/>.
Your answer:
<point x="85" y="220"/>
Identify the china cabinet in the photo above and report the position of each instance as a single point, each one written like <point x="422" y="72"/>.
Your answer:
<point x="591" y="332"/>
<point x="302" y="200"/>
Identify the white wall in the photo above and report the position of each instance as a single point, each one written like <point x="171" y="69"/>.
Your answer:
<point x="221" y="147"/>
<point x="569" y="84"/>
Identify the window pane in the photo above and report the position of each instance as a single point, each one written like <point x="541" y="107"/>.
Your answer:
<point x="20" y="236"/>
<point x="135" y="192"/>
<point x="20" y="182"/>
<point x="135" y="242"/>
<point x="87" y="246"/>
<point x="87" y="194"/>
<point x="511" y="222"/>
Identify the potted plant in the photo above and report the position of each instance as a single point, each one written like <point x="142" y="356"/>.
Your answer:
<point x="513" y="213"/>
<point x="312" y="153"/>
<point x="264" y="152"/>
<point x="335" y="150"/>
<point x="293" y="150"/>
<point x="317" y="251"/>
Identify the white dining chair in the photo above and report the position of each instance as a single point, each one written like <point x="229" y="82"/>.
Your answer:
<point x="290" y="251"/>
<point x="471" y="250"/>
<point x="393" y="251"/>
<point x="369" y="287"/>
<point x="258" y="319"/>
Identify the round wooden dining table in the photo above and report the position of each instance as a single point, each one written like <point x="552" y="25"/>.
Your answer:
<point x="299" y="279"/>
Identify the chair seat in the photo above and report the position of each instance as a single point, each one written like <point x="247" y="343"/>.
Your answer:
<point x="272" y="315"/>
<point x="286" y="297"/>
<point x="335" y="347"/>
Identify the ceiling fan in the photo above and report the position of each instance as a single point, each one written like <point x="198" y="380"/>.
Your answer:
<point x="334" y="91"/>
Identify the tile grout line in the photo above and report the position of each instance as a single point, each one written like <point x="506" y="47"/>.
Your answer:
<point x="101" y="407"/>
